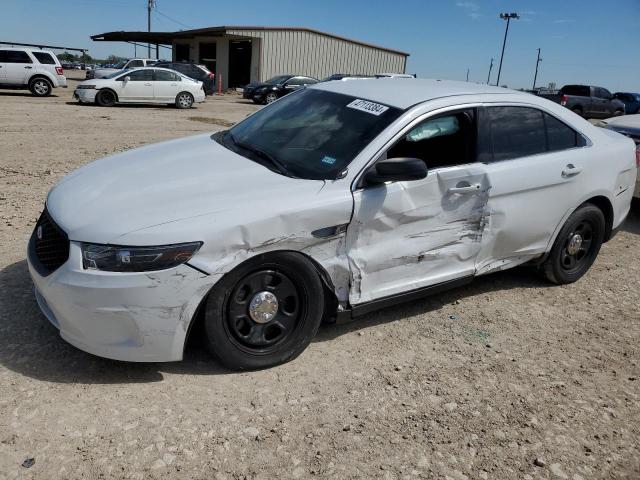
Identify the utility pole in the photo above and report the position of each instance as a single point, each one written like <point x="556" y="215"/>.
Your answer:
<point x="467" y="74"/>
<point x="150" y="5"/>
<point x="535" y="76"/>
<point x="507" y="17"/>
<point x="490" y="67"/>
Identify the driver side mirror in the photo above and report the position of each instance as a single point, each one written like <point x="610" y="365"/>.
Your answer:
<point x="126" y="79"/>
<point x="396" y="170"/>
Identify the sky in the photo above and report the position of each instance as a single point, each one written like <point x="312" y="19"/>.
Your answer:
<point x="582" y="41"/>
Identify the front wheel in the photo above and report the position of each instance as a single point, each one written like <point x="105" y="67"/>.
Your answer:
<point x="106" y="98"/>
<point x="576" y="246"/>
<point x="270" y="98"/>
<point x="184" y="100"/>
<point x="265" y="312"/>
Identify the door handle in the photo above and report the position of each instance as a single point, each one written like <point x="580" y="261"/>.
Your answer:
<point x="570" y="171"/>
<point x="29" y="68"/>
<point x="147" y="84"/>
<point x="464" y="187"/>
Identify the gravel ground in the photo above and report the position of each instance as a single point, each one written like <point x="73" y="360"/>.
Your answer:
<point x="506" y="378"/>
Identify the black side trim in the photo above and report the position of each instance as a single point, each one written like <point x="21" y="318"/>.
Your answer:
<point x="328" y="232"/>
<point x="372" y="306"/>
<point x="196" y="269"/>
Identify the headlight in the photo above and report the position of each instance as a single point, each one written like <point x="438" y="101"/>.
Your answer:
<point x="136" y="259"/>
<point x="85" y="87"/>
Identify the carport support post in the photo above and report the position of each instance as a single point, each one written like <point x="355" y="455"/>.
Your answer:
<point x="157" y="51"/>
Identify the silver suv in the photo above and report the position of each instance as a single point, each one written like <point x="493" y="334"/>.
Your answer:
<point x="38" y="70"/>
<point x="124" y="65"/>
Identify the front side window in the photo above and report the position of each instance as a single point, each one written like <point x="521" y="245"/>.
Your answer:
<point x="277" y="80"/>
<point x="602" y="93"/>
<point x="138" y="76"/>
<point x="312" y="133"/>
<point x="443" y="141"/>
<point x="44" y="58"/>
<point x="16" y="56"/>
<point x="516" y="132"/>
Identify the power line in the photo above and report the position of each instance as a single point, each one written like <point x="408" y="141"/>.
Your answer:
<point x="171" y="19"/>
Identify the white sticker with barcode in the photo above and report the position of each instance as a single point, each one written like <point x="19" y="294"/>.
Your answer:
<point x="369" y="107"/>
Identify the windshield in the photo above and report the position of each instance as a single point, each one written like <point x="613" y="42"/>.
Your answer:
<point x="278" y="79"/>
<point x="312" y="133"/>
<point x="120" y="65"/>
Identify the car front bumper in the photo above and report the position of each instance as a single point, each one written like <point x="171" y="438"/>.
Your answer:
<point x="85" y="95"/>
<point x="136" y="317"/>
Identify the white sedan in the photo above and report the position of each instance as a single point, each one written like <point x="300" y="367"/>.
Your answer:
<point x="335" y="200"/>
<point x="141" y="85"/>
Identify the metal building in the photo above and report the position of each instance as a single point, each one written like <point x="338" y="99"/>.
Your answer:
<point x="246" y="54"/>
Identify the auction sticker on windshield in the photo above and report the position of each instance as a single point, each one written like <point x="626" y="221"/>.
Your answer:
<point x="369" y="107"/>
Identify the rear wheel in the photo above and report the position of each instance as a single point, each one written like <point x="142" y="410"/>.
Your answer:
<point x="577" y="110"/>
<point x="265" y="312"/>
<point x="106" y="98"/>
<point x="184" y="100"/>
<point x="40" y="87"/>
<point x="270" y="97"/>
<point x="576" y="246"/>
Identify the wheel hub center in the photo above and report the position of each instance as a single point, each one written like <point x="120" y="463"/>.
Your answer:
<point x="263" y="307"/>
<point x="575" y="242"/>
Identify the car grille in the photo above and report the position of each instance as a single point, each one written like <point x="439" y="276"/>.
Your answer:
<point x="51" y="244"/>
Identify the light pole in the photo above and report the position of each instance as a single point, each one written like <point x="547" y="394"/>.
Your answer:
<point x="535" y="76"/>
<point x="507" y="17"/>
<point x="490" y="68"/>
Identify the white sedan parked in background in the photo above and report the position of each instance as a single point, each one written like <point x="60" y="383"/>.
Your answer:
<point x="141" y="85"/>
<point x="337" y="199"/>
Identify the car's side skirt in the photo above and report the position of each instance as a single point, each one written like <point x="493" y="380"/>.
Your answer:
<point x="379" y="303"/>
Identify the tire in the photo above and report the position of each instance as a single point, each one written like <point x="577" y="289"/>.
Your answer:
<point x="106" y="98"/>
<point x="618" y="113"/>
<point x="40" y="87"/>
<point x="270" y="333"/>
<point x="577" y="110"/>
<point x="576" y="246"/>
<point x="270" y="97"/>
<point x="184" y="100"/>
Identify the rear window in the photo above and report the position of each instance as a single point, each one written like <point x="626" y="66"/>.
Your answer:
<point x="44" y="58"/>
<point x="578" y="90"/>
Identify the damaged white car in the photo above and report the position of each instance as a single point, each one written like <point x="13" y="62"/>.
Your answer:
<point x="331" y="202"/>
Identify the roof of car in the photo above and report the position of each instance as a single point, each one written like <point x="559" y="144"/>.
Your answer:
<point x="405" y="92"/>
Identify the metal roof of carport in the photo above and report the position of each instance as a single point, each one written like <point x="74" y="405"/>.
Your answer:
<point x="166" y="38"/>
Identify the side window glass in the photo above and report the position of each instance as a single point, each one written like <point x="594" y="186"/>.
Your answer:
<point x="164" y="76"/>
<point x="559" y="135"/>
<point x="17" y="56"/>
<point x="140" y="76"/>
<point x="44" y="58"/>
<point x="444" y="141"/>
<point x="516" y="132"/>
<point x="135" y="64"/>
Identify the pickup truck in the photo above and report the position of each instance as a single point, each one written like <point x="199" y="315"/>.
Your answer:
<point x="125" y="64"/>
<point x="588" y="101"/>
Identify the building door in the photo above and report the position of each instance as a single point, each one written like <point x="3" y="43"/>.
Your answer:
<point x="239" y="63"/>
<point x="208" y="56"/>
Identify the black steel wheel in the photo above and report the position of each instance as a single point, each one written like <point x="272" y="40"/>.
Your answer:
<point x="106" y="98"/>
<point x="265" y="312"/>
<point x="576" y="246"/>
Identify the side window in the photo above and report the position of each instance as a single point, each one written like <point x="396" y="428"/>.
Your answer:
<point x="164" y="76"/>
<point x="516" y="132"/>
<point x="294" y="82"/>
<point x="308" y="81"/>
<point x="601" y="93"/>
<point x="444" y="141"/>
<point x="561" y="136"/>
<point x="135" y="64"/>
<point x="140" y="76"/>
<point x="44" y="58"/>
<point x="17" y="56"/>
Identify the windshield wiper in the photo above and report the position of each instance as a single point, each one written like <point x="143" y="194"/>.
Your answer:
<point x="279" y="166"/>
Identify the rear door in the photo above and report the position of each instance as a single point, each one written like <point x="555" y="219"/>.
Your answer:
<point x="138" y="88"/>
<point x="18" y="67"/>
<point x="533" y="164"/>
<point x="166" y="85"/>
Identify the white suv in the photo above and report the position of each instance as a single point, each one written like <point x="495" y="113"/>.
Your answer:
<point x="32" y="68"/>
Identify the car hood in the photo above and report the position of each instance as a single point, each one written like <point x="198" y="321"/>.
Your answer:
<point x="626" y="121"/>
<point x="164" y="183"/>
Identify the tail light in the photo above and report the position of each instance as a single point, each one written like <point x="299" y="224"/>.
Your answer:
<point x="59" y="71"/>
<point x="564" y="100"/>
<point x="212" y="76"/>
<point x="638" y="155"/>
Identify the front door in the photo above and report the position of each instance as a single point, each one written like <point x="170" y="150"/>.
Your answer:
<point x="409" y="235"/>
<point x="138" y="87"/>
<point x="534" y="167"/>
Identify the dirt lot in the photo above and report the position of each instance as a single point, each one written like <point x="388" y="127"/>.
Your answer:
<point x="506" y="378"/>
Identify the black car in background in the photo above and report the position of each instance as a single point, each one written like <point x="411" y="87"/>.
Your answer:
<point x="195" y="71"/>
<point x="276" y="87"/>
